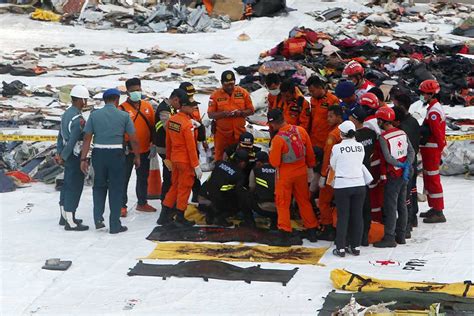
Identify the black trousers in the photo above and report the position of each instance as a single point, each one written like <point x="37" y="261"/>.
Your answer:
<point x="367" y="212"/>
<point x="141" y="187"/>
<point x="349" y="203"/>
<point x="166" y="185"/>
<point x="412" y="198"/>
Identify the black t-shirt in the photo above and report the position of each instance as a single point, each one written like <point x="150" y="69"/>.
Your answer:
<point x="411" y="127"/>
<point x="367" y="138"/>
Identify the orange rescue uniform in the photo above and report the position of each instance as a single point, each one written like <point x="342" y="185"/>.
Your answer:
<point x="181" y="150"/>
<point x="143" y="123"/>
<point x="292" y="180"/>
<point x="319" y="129"/>
<point x="228" y="129"/>
<point x="296" y="112"/>
<point x="326" y="194"/>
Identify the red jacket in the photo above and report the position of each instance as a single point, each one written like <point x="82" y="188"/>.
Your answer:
<point x="436" y="121"/>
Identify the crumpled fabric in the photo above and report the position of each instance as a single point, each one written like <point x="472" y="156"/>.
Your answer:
<point x="13" y="88"/>
<point x="398" y="64"/>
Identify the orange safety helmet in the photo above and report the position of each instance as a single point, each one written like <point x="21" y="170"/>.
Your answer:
<point x="353" y="68"/>
<point x="385" y="113"/>
<point x="429" y="86"/>
<point x="369" y="100"/>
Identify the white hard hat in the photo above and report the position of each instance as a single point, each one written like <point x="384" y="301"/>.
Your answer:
<point x="346" y="126"/>
<point x="80" y="92"/>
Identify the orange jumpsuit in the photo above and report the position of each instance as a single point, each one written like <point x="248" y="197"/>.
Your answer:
<point x="228" y="129"/>
<point x="181" y="150"/>
<point x="295" y="112"/>
<point x="326" y="194"/>
<point x="292" y="179"/>
<point x="319" y="128"/>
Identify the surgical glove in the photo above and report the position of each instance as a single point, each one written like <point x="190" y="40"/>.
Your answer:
<point x="310" y="175"/>
<point x="406" y="173"/>
<point x="152" y="152"/>
<point x="322" y="182"/>
<point x="198" y="172"/>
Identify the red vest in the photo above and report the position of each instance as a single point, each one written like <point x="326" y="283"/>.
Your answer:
<point x="397" y="142"/>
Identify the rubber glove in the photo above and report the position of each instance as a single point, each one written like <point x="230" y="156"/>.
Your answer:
<point x="322" y="182"/>
<point x="406" y="173"/>
<point x="198" y="172"/>
<point x="168" y="164"/>
<point x="152" y="152"/>
<point x="310" y="175"/>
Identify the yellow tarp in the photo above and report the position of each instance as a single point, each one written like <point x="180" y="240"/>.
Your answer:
<point x="200" y="251"/>
<point x="348" y="281"/>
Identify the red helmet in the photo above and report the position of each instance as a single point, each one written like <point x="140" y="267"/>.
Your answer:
<point x="385" y="113"/>
<point x="353" y="68"/>
<point x="429" y="86"/>
<point x="369" y="100"/>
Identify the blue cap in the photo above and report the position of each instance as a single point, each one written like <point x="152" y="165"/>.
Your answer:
<point x="111" y="92"/>
<point x="344" y="89"/>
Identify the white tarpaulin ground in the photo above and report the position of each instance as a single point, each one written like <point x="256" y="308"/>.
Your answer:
<point x="97" y="282"/>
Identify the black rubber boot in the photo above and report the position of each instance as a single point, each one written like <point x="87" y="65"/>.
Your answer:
<point x="427" y="213"/>
<point x="327" y="232"/>
<point x="78" y="228"/>
<point x="62" y="221"/>
<point x="400" y="240"/>
<point x="414" y="221"/>
<point x="365" y="240"/>
<point x="408" y="235"/>
<point x="353" y="251"/>
<point x="339" y="252"/>
<point x="436" y="217"/>
<point x="180" y="221"/>
<point x="99" y="224"/>
<point x="311" y="234"/>
<point x="385" y="243"/>
<point x="121" y="230"/>
<point x="166" y="215"/>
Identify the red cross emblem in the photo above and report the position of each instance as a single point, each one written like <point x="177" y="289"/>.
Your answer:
<point x="399" y="144"/>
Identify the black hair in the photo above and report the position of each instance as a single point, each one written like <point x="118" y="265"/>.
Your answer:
<point x="350" y="134"/>
<point x="378" y="93"/>
<point x="272" y="79"/>
<point x="402" y="99"/>
<point x="111" y="99"/>
<point x="74" y="99"/>
<point x="400" y="113"/>
<point x="336" y="109"/>
<point x="132" y="82"/>
<point x="287" y="86"/>
<point x="316" y="81"/>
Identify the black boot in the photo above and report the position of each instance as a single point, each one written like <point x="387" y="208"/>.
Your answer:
<point x="339" y="252"/>
<point x="327" y="232"/>
<point x="78" y="227"/>
<point x="273" y="224"/>
<point x="400" y="240"/>
<point x="99" y="224"/>
<point x="427" y="213"/>
<point x="414" y="221"/>
<point x="121" y="230"/>
<point x="222" y="221"/>
<point x="353" y="251"/>
<point x="62" y="221"/>
<point x="180" y="221"/>
<point x="166" y="215"/>
<point x="311" y="234"/>
<point x="436" y="217"/>
<point x="386" y="243"/>
<point x="365" y="240"/>
<point x="408" y="235"/>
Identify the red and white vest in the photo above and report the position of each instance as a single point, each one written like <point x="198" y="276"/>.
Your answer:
<point x="397" y="142"/>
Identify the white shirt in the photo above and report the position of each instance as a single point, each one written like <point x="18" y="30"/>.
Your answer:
<point x="347" y="159"/>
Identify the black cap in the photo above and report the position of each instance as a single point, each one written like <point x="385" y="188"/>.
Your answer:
<point x="274" y="115"/>
<point x="246" y="139"/>
<point x="358" y="113"/>
<point x="261" y="156"/>
<point x="188" y="87"/>
<point x="227" y="76"/>
<point x="241" y="155"/>
<point x="182" y="96"/>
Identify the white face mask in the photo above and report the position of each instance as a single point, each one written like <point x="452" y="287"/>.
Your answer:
<point x="274" y="92"/>
<point x="422" y="98"/>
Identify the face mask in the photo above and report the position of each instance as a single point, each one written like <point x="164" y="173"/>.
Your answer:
<point x="422" y="98"/>
<point x="274" y="92"/>
<point x="135" y="96"/>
